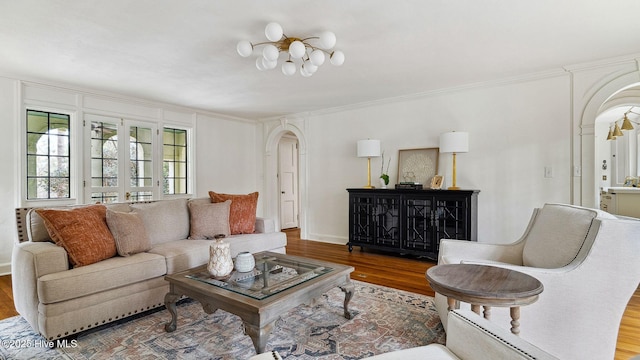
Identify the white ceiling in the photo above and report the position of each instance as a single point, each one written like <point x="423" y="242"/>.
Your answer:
<point x="183" y="51"/>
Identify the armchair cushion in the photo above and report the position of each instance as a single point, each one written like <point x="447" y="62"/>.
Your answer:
<point x="556" y="236"/>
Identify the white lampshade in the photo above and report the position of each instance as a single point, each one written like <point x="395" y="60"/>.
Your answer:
<point x="244" y="48"/>
<point x="273" y="31"/>
<point x="304" y="72"/>
<point x="368" y="148"/>
<point x="289" y="68"/>
<point x="309" y="67"/>
<point x="327" y="40"/>
<point x="337" y="58"/>
<point x="454" y="142"/>
<point x="317" y="57"/>
<point x="297" y="49"/>
<point x="260" y="64"/>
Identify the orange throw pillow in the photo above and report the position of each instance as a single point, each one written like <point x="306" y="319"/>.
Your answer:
<point x="82" y="232"/>
<point x="242" y="216"/>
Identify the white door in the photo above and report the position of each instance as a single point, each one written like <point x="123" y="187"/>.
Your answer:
<point x="288" y="177"/>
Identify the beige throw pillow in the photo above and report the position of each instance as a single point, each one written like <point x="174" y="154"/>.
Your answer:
<point x="209" y="219"/>
<point x="129" y="232"/>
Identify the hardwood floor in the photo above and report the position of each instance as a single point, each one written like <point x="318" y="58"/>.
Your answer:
<point x="388" y="270"/>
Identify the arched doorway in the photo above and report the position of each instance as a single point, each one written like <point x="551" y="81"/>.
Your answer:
<point x="615" y="96"/>
<point x="272" y="167"/>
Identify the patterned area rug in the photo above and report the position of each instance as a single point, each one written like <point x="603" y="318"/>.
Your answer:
<point x="384" y="320"/>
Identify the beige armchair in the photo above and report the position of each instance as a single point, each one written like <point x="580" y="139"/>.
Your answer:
<point x="589" y="263"/>
<point x="471" y="337"/>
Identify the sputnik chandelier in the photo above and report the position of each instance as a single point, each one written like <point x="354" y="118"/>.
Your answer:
<point x="299" y="52"/>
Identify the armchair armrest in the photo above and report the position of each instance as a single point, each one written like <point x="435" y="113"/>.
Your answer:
<point x="470" y="336"/>
<point x="457" y="251"/>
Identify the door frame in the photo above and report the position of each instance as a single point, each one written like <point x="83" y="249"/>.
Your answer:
<point x="272" y="198"/>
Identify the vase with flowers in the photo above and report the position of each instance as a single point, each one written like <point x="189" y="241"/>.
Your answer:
<point x="384" y="175"/>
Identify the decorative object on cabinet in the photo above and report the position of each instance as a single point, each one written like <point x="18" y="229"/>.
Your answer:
<point x="368" y="148"/>
<point x="411" y="221"/>
<point x="454" y="142"/>
<point x="436" y="182"/>
<point x="384" y="175"/>
<point x="417" y="165"/>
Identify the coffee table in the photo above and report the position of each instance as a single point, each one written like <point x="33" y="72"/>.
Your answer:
<point x="483" y="285"/>
<point x="277" y="284"/>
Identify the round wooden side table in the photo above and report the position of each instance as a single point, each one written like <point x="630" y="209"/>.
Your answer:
<point x="487" y="286"/>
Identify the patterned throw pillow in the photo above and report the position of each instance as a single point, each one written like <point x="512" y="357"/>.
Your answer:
<point x="82" y="232"/>
<point x="242" y="217"/>
<point x="209" y="220"/>
<point x="129" y="232"/>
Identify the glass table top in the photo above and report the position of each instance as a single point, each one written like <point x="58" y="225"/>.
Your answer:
<point x="271" y="275"/>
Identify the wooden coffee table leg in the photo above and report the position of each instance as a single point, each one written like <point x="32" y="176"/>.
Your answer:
<point x="259" y="335"/>
<point x="515" y="320"/>
<point x="170" y="303"/>
<point x="348" y="293"/>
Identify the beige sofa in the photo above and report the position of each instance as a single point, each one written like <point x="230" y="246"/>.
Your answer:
<point x="59" y="301"/>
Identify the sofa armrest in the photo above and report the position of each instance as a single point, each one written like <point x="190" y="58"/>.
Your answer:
<point x="457" y="251"/>
<point x="470" y="336"/>
<point x="265" y="225"/>
<point x="30" y="261"/>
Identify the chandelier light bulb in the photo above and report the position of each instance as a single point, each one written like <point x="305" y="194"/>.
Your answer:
<point x="337" y="58"/>
<point x="244" y="48"/>
<point x="260" y="64"/>
<point x="289" y="68"/>
<point x="327" y="40"/>
<point x="304" y="72"/>
<point x="273" y="31"/>
<point x="269" y="64"/>
<point x="297" y="49"/>
<point x="309" y="67"/>
<point x="270" y="52"/>
<point x="317" y="57"/>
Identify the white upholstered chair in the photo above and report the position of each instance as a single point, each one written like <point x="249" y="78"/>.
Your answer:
<point x="473" y="338"/>
<point x="589" y="263"/>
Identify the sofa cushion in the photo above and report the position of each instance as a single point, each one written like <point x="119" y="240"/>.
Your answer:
<point x="36" y="230"/>
<point x="164" y="220"/>
<point x="242" y="218"/>
<point x="209" y="219"/>
<point x="556" y="236"/>
<point x="128" y="231"/>
<point x="105" y="275"/>
<point x="82" y="232"/>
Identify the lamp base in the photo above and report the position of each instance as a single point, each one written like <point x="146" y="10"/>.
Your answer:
<point x="453" y="188"/>
<point x="369" y="187"/>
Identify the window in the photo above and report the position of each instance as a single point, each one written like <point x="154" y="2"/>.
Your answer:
<point x="48" y="155"/>
<point x="122" y="167"/>
<point x="174" y="161"/>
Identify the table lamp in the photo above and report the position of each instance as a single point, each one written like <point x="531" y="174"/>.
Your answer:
<point x="454" y="142"/>
<point x="368" y="148"/>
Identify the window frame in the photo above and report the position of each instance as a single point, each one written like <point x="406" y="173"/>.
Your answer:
<point x="75" y="133"/>
<point x="190" y="183"/>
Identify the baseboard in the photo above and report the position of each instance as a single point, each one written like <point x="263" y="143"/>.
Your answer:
<point x="5" y="269"/>
<point x="331" y="239"/>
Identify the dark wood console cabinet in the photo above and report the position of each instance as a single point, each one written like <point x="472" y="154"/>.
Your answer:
<point x="411" y="221"/>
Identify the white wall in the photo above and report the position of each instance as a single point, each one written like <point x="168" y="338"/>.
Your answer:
<point x="8" y="159"/>
<point x="516" y="130"/>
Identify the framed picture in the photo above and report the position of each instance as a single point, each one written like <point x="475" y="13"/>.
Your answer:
<point x="418" y="165"/>
<point x="436" y="182"/>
